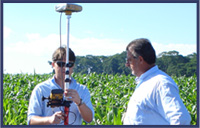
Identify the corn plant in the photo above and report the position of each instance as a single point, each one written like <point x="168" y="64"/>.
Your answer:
<point x="109" y="95"/>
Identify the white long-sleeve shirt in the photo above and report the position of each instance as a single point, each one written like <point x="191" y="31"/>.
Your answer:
<point x="156" y="101"/>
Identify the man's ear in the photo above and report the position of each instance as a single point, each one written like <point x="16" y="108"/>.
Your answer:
<point x="141" y="59"/>
<point x="53" y="64"/>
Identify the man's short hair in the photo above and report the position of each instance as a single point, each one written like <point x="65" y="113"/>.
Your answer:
<point x="60" y="54"/>
<point x="142" y="47"/>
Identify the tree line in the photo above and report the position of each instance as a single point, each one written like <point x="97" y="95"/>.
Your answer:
<point x="170" y="62"/>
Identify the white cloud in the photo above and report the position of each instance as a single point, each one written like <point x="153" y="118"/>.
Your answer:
<point x="36" y="45"/>
<point x="42" y="46"/>
<point x="6" y="32"/>
<point x="33" y="36"/>
<point x="183" y="49"/>
<point x="97" y="46"/>
<point x="37" y="50"/>
<point x="30" y="55"/>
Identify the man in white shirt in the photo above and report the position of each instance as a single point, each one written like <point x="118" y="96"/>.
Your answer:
<point x="80" y="108"/>
<point x="156" y="99"/>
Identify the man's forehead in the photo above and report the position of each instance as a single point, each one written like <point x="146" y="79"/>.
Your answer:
<point x="64" y="59"/>
<point x="128" y="53"/>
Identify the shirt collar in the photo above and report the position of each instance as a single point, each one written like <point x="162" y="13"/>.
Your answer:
<point x="147" y="73"/>
<point x="53" y="81"/>
<point x="72" y="81"/>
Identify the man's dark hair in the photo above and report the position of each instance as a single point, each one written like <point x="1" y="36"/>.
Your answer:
<point x="142" y="47"/>
<point x="60" y="53"/>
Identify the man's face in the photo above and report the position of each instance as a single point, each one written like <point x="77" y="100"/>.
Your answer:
<point x="133" y="63"/>
<point x="60" y="70"/>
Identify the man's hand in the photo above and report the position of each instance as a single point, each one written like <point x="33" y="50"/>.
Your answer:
<point x="56" y="117"/>
<point x="73" y="94"/>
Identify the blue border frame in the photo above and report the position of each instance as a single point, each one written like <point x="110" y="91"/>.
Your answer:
<point x="100" y="1"/>
<point x="198" y="60"/>
<point x="97" y="1"/>
<point x="1" y="60"/>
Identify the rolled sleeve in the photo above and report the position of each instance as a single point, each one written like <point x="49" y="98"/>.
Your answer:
<point x="35" y="104"/>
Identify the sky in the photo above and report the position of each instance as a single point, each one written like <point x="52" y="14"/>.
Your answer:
<point x="31" y="31"/>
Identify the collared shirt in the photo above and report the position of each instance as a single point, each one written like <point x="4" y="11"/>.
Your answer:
<point x="156" y="101"/>
<point x="37" y="107"/>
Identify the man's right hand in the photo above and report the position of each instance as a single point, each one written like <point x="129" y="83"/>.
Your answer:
<point x="56" y="117"/>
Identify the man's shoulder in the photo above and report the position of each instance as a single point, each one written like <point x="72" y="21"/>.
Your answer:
<point x="164" y="80"/>
<point x="164" y="76"/>
<point x="77" y="86"/>
<point x="44" y="84"/>
<point x="43" y="89"/>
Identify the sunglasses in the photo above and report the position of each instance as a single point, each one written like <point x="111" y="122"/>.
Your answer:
<point x="63" y="64"/>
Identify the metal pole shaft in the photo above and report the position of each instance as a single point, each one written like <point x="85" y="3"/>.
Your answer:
<point x="66" y="109"/>
<point x="67" y="54"/>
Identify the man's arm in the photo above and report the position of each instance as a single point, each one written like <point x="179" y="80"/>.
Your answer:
<point x="84" y="110"/>
<point x="171" y="106"/>
<point x="54" y="119"/>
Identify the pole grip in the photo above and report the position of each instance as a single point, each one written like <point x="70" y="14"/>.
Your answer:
<point x="66" y="118"/>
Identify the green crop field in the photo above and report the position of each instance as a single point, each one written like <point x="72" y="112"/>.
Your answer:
<point x="109" y="95"/>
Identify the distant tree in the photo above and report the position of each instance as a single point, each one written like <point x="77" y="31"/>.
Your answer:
<point x="191" y="66"/>
<point x="173" y="53"/>
<point x="170" y="62"/>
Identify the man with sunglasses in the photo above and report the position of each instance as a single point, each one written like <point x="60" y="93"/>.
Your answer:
<point x="80" y="108"/>
<point x="156" y="99"/>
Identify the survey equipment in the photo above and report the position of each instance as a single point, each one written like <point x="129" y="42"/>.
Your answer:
<point x="56" y="97"/>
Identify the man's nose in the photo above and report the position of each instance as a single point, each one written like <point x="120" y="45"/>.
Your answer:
<point x="127" y="64"/>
